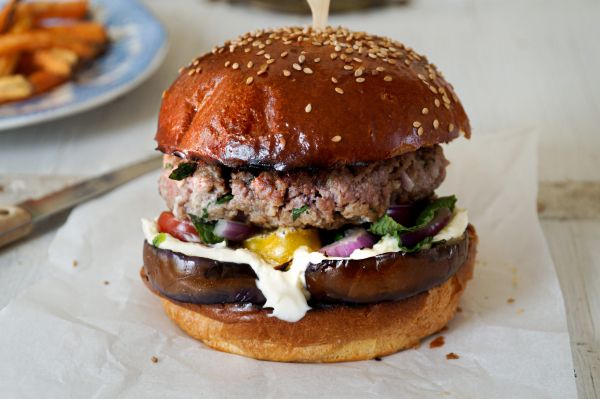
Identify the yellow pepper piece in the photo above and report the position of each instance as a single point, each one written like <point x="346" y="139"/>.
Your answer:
<point x="279" y="245"/>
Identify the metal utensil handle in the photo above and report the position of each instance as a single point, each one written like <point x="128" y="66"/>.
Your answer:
<point x="15" y="223"/>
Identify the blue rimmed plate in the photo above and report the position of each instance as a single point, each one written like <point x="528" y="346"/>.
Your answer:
<point x="138" y="47"/>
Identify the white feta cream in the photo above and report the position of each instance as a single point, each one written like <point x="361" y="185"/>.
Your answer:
<point x="286" y="292"/>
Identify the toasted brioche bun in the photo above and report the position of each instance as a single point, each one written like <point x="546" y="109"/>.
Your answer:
<point x="333" y="334"/>
<point x="295" y="98"/>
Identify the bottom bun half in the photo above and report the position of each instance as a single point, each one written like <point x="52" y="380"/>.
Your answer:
<point x="330" y="334"/>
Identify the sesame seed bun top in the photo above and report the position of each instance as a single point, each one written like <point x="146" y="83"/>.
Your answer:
<point x="295" y="97"/>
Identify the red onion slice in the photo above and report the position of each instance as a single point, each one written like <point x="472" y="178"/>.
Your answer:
<point x="232" y="230"/>
<point x="405" y="214"/>
<point x="440" y="220"/>
<point x="355" y="239"/>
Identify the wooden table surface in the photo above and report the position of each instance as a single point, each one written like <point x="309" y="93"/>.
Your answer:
<point x="516" y="65"/>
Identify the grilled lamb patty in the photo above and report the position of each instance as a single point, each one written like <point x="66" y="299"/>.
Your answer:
<point x="325" y="198"/>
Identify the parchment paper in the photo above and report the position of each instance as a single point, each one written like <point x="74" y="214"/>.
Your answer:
<point x="90" y="330"/>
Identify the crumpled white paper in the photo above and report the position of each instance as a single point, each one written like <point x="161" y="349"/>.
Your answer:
<point x="90" y="331"/>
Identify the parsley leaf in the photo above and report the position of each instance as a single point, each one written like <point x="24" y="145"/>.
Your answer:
<point x="296" y="212"/>
<point x="224" y="199"/>
<point x="159" y="239"/>
<point x="183" y="170"/>
<point x="430" y="210"/>
<point x="205" y="228"/>
<point x="388" y="226"/>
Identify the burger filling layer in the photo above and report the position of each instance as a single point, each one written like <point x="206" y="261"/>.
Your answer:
<point x="284" y="288"/>
<point x="281" y="223"/>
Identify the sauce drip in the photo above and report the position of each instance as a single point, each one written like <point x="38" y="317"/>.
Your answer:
<point x="438" y="342"/>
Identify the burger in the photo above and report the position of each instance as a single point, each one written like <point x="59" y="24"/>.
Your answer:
<point x="300" y="169"/>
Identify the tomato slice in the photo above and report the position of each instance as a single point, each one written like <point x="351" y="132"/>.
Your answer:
<point x="181" y="229"/>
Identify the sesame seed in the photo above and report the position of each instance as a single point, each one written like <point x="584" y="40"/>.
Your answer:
<point x="270" y="61"/>
<point x="247" y="50"/>
<point x="316" y="60"/>
<point x="446" y="99"/>
<point x="425" y="111"/>
<point x="450" y="127"/>
<point x="263" y="68"/>
<point x="436" y="102"/>
<point x="301" y="58"/>
<point x="235" y="65"/>
<point x="417" y="124"/>
<point x="199" y="69"/>
<point x="358" y="72"/>
<point x="286" y="72"/>
<point x="308" y="108"/>
<point x="420" y="76"/>
<point x="360" y="80"/>
<point x="249" y="80"/>
<point x="436" y="124"/>
<point x="348" y="67"/>
<point x="268" y="56"/>
<point x="261" y="52"/>
<point x="180" y="70"/>
<point x="388" y="78"/>
<point x="380" y="69"/>
<point x="164" y="93"/>
<point x="373" y="55"/>
<point x="336" y="139"/>
<point x="433" y="89"/>
<point x="420" y="131"/>
<point x="284" y="54"/>
<point x="334" y="80"/>
<point x="250" y="64"/>
<point x="307" y="71"/>
<point x="297" y="67"/>
<point x="356" y="59"/>
<point x="227" y="63"/>
<point x="333" y="56"/>
<point x="191" y="72"/>
<point x="339" y="90"/>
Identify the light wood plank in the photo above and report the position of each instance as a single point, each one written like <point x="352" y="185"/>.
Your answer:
<point x="576" y="253"/>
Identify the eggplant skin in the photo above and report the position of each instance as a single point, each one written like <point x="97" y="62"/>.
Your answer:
<point x="200" y="280"/>
<point x="387" y="277"/>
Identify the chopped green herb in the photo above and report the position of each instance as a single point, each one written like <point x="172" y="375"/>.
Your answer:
<point x="224" y="199"/>
<point x="338" y="236"/>
<point x="385" y="225"/>
<point x="430" y="210"/>
<point x="168" y="166"/>
<point x="159" y="239"/>
<point x="296" y="212"/>
<point x="205" y="228"/>
<point x="388" y="226"/>
<point x="183" y="170"/>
